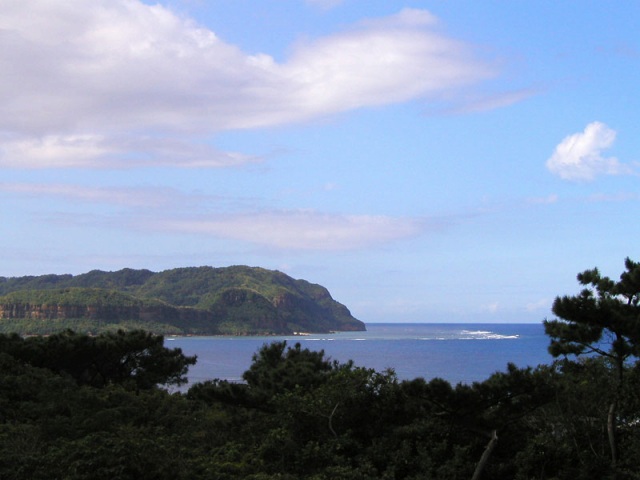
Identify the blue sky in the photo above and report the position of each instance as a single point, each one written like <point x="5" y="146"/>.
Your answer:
<point x="426" y="161"/>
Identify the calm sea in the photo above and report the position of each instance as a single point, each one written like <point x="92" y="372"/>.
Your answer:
<point x="455" y="352"/>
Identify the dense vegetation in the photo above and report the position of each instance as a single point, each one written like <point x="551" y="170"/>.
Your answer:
<point x="78" y="407"/>
<point x="204" y="300"/>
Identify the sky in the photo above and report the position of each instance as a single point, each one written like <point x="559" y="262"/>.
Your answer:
<point x="426" y="161"/>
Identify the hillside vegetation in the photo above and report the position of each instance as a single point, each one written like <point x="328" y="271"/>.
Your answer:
<point x="236" y="300"/>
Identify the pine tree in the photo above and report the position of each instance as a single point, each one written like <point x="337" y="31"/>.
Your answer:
<point x="603" y="319"/>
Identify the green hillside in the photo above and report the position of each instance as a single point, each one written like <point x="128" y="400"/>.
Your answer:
<point x="236" y="300"/>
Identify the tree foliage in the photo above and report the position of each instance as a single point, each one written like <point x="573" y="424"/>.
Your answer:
<point x="603" y="320"/>
<point x="299" y="415"/>
<point x="80" y="407"/>
<point x="138" y="357"/>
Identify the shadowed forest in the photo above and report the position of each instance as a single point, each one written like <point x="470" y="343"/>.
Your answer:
<point x="74" y="406"/>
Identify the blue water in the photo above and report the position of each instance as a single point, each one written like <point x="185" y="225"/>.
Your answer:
<point x="456" y="352"/>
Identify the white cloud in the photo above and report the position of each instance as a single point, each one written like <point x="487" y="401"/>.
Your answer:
<point x="53" y="151"/>
<point x="96" y="151"/>
<point x="79" y="75"/>
<point x="383" y="61"/>
<point x="579" y="156"/>
<point x="155" y="209"/>
<point x="300" y="230"/>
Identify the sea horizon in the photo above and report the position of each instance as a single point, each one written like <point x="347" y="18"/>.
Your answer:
<point x="456" y="352"/>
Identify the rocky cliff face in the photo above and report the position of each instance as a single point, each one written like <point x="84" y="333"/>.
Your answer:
<point x="54" y="312"/>
<point x="188" y="320"/>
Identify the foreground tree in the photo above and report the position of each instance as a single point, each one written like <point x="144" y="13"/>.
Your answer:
<point x="135" y="358"/>
<point x="498" y="411"/>
<point x="277" y="368"/>
<point x="603" y="320"/>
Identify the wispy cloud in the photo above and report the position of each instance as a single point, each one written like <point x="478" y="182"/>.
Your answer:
<point x="324" y="4"/>
<point x="98" y="151"/>
<point x="492" y="307"/>
<point x="300" y="230"/>
<point x="83" y="81"/>
<point x="155" y="197"/>
<point x="154" y="209"/>
<point x="615" y="197"/>
<point x="477" y="103"/>
<point x="542" y="304"/>
<point x="549" y="199"/>
<point x="580" y="156"/>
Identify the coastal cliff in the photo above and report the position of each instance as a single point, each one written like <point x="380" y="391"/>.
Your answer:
<point x="235" y="300"/>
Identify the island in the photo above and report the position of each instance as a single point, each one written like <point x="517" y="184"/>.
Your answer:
<point x="235" y="300"/>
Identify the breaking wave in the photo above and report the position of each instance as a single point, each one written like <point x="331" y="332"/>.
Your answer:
<point x="484" y="335"/>
<point x="410" y="334"/>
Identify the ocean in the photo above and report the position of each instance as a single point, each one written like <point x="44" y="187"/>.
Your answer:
<point x="455" y="352"/>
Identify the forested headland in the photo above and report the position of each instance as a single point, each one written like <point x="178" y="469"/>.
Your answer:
<point x="74" y="406"/>
<point x="236" y="300"/>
